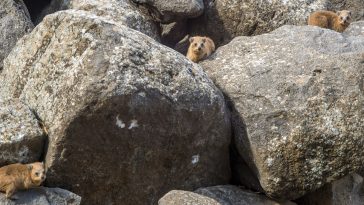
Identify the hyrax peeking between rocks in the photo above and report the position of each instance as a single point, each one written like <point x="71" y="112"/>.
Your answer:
<point x="20" y="177"/>
<point x="338" y="21"/>
<point x="200" y="48"/>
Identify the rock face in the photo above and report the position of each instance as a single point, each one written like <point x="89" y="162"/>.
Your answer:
<point x="226" y="19"/>
<point x="346" y="191"/>
<point x="178" y="197"/>
<point x="128" y="119"/>
<point x="355" y="29"/>
<point x="21" y="139"/>
<point x="120" y="11"/>
<point x="228" y="194"/>
<point x="356" y="6"/>
<point x="43" y="196"/>
<point x="14" y="23"/>
<point x="297" y="97"/>
<point x="171" y="11"/>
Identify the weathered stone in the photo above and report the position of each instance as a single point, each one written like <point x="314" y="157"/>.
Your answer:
<point x="42" y="196"/>
<point x="355" y="29"/>
<point x="182" y="45"/>
<point x="225" y="19"/>
<point x="120" y="11"/>
<point x="171" y="11"/>
<point x="14" y="23"/>
<point x="346" y="191"/>
<point x="128" y="118"/>
<point x="172" y="33"/>
<point x="179" y="197"/>
<point x="297" y="95"/>
<point x="229" y="194"/>
<point x="21" y="139"/>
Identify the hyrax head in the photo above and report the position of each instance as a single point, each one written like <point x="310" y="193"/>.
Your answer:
<point x="344" y="17"/>
<point x="197" y="44"/>
<point x="37" y="172"/>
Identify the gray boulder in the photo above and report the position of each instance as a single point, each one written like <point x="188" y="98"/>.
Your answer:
<point x="232" y="195"/>
<point x="179" y="197"/>
<point x="346" y="191"/>
<point x="42" y="196"/>
<point x="128" y="118"/>
<point x="21" y="139"/>
<point x="355" y="29"/>
<point x="171" y="11"/>
<point x="297" y="98"/>
<point x="14" y="23"/>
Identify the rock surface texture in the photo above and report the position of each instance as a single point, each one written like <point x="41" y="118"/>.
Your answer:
<point x="171" y="11"/>
<point x="297" y="98"/>
<point x="232" y="195"/>
<point x="43" y="196"/>
<point x="346" y="191"/>
<point x="355" y="29"/>
<point x="128" y="119"/>
<point x="14" y="23"/>
<point x="179" y="197"/>
<point x="21" y="139"/>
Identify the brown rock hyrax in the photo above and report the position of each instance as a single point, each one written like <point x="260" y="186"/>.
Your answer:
<point x="20" y="177"/>
<point x="338" y="21"/>
<point x="200" y="48"/>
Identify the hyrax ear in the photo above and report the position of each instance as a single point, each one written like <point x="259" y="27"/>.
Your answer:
<point x="338" y="13"/>
<point x="191" y="39"/>
<point x="30" y="167"/>
<point x="349" y="13"/>
<point x="204" y="40"/>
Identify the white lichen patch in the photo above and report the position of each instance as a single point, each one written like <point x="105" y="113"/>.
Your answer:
<point x="270" y="161"/>
<point x="119" y="122"/>
<point x="195" y="159"/>
<point x="133" y="124"/>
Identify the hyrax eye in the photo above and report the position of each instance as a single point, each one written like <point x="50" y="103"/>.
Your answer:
<point x="37" y="174"/>
<point x="195" y="44"/>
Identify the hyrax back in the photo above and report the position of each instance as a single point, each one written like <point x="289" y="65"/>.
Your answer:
<point x="200" y="48"/>
<point x="21" y="176"/>
<point x="338" y="21"/>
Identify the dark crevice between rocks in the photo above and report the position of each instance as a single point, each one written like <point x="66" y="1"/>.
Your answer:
<point x="35" y="8"/>
<point x="43" y="127"/>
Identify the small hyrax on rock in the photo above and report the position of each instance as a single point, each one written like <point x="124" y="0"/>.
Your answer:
<point x="338" y="21"/>
<point x="20" y="177"/>
<point x="200" y="48"/>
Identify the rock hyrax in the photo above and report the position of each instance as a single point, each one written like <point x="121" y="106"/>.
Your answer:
<point x="200" y="48"/>
<point x="20" y="177"/>
<point x="338" y="21"/>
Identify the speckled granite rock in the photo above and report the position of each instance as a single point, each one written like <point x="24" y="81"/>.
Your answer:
<point x="179" y="197"/>
<point x="123" y="111"/>
<point x="21" y="139"/>
<point x="14" y="23"/>
<point x="298" y="97"/>
<point x="355" y="29"/>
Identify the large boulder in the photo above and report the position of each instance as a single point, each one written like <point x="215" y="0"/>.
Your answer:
<point x="179" y="197"/>
<point x="171" y="11"/>
<point x="297" y="98"/>
<point x="14" y="23"/>
<point x="128" y="118"/>
<point x="21" y="139"/>
<point x="346" y="191"/>
<point x="232" y="195"/>
<point x="355" y="29"/>
<point x="42" y="196"/>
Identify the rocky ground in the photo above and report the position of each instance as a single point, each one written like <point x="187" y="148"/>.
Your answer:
<point x="101" y="91"/>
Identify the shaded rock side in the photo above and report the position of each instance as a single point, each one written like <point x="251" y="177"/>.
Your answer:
<point x="225" y="19"/>
<point x="297" y="95"/>
<point x="123" y="112"/>
<point x="346" y="191"/>
<point x="179" y="197"/>
<point x="43" y="196"/>
<point x="228" y="194"/>
<point x="14" y="23"/>
<point x="21" y="139"/>
<point x="171" y="11"/>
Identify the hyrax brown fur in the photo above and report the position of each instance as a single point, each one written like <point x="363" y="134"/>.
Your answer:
<point x="200" y="48"/>
<point x="20" y="177"/>
<point x="338" y="21"/>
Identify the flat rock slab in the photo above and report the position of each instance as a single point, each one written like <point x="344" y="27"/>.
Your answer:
<point x="297" y="95"/>
<point x="42" y="196"/>
<point x="123" y="112"/>
<point x="179" y="197"/>
<point x="21" y="139"/>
